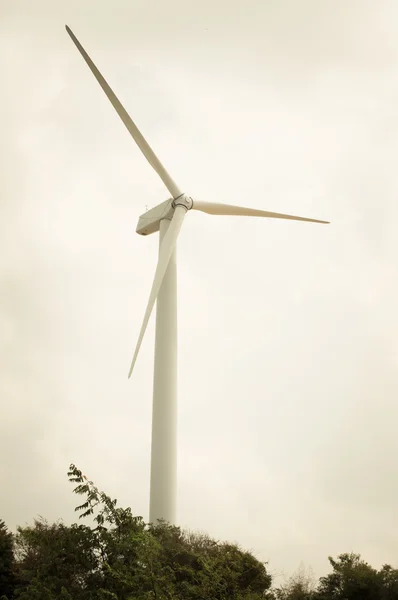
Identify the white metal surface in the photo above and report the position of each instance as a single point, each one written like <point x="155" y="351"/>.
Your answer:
<point x="216" y="208"/>
<point x="162" y="503"/>
<point x="167" y="245"/>
<point x="149" y="222"/>
<point x="167" y="218"/>
<point x="128" y="121"/>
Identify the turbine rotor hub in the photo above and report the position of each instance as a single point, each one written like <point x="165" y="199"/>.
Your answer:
<point x="184" y="201"/>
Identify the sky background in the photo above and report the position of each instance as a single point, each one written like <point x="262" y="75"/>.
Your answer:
<point x="288" y="332"/>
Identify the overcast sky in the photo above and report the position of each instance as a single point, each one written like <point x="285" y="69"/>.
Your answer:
<point x="288" y="331"/>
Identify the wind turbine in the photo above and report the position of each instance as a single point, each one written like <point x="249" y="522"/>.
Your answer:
<point x="167" y="218"/>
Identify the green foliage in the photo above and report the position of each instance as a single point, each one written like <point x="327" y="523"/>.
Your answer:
<point x="351" y="579"/>
<point x="7" y="579"/>
<point x="50" y="557"/>
<point x="199" y="567"/>
<point x="122" y="558"/>
<point x="389" y="583"/>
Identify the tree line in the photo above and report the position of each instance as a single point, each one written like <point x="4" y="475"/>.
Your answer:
<point x="120" y="557"/>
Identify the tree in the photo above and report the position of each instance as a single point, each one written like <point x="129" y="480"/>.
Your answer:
<point x="389" y="583"/>
<point x="122" y="558"/>
<point x="119" y="557"/>
<point x="204" y="568"/>
<point x="7" y="578"/>
<point x="52" y="557"/>
<point x="351" y="579"/>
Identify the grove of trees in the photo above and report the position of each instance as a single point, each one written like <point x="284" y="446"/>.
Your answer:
<point x="120" y="557"/>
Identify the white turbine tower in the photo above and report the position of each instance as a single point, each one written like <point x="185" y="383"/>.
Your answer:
<point x="167" y="218"/>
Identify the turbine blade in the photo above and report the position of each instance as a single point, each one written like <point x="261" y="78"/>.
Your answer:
<point x="165" y="252"/>
<point x="214" y="208"/>
<point x="128" y="122"/>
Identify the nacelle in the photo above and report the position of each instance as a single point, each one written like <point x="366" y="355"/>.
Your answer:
<point x="149" y="222"/>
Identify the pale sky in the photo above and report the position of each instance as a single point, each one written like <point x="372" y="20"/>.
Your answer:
<point x="288" y="331"/>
